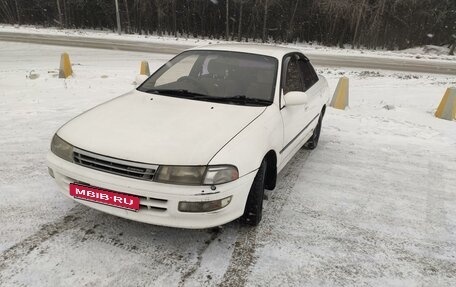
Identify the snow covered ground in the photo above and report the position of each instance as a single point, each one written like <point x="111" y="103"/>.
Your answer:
<point x="374" y="204"/>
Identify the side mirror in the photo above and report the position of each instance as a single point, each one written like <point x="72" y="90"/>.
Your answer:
<point x="295" y="98"/>
<point x="140" y="79"/>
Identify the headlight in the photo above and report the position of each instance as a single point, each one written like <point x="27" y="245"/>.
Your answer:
<point x="191" y="175"/>
<point x="220" y="174"/>
<point x="61" y="148"/>
<point x="196" y="175"/>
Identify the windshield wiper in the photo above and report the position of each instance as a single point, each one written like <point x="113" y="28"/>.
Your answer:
<point x="182" y="93"/>
<point x="179" y="92"/>
<point x="243" y="99"/>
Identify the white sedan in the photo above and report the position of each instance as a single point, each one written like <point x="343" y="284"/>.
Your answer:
<point x="198" y="142"/>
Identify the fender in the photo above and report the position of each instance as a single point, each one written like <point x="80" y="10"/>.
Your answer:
<point x="248" y="148"/>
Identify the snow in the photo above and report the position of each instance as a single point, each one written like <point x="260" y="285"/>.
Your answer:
<point x="373" y="205"/>
<point x="427" y="52"/>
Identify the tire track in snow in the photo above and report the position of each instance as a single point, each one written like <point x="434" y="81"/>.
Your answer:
<point x="215" y="234"/>
<point x="244" y="249"/>
<point x="436" y="214"/>
<point x="47" y="231"/>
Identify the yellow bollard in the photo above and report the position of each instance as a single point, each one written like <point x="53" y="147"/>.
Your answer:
<point x="65" y="66"/>
<point x="144" y="68"/>
<point x="340" y="97"/>
<point x="447" y="107"/>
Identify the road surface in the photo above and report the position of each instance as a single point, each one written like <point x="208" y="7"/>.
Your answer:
<point x="322" y="59"/>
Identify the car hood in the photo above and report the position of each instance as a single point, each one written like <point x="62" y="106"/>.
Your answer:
<point x="158" y="129"/>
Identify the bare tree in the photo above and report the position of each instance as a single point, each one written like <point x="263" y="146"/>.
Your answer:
<point x="265" y="20"/>
<point x="60" y="13"/>
<point x="227" y="21"/>
<point x="65" y="13"/>
<point x="174" y="18"/>
<point x="291" y="24"/>
<point x="358" y="22"/>
<point x="241" y="2"/>
<point x="18" y="14"/>
<point x="7" y="12"/>
<point x="159" y="17"/>
<point x="119" y="29"/>
<point x="127" y="14"/>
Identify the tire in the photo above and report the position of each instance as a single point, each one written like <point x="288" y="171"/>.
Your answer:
<point x="253" y="211"/>
<point x="312" y="143"/>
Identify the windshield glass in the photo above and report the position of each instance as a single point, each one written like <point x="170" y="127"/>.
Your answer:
<point x="220" y="76"/>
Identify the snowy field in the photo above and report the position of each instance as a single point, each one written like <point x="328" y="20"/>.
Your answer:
<point x="373" y="205"/>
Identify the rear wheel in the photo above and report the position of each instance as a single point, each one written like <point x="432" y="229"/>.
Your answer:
<point x="253" y="211"/>
<point x="313" y="141"/>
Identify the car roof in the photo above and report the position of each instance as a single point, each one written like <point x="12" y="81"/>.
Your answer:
<point x="260" y="49"/>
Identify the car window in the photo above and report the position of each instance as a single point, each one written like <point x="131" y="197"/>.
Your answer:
<point x="177" y="71"/>
<point x="293" y="80"/>
<point x="308" y="74"/>
<point x="217" y="75"/>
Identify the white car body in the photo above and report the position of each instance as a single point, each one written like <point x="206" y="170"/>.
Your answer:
<point x="159" y="130"/>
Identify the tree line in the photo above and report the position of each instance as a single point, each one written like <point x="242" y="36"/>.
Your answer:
<point x="390" y="24"/>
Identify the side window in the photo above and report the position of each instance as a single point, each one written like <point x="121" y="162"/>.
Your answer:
<point x="308" y="74"/>
<point x="293" y="81"/>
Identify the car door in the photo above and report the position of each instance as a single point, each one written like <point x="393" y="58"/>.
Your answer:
<point x="298" y="119"/>
<point x="311" y="86"/>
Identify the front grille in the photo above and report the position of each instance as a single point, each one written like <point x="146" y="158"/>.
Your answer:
<point x="113" y="165"/>
<point x="153" y="204"/>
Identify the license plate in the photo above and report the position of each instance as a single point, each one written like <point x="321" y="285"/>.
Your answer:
<point x="103" y="196"/>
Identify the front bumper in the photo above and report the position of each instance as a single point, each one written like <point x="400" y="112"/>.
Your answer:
<point x="158" y="201"/>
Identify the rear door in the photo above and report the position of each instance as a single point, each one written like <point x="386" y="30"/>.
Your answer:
<point x="311" y="86"/>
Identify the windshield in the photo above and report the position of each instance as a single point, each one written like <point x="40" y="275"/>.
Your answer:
<point x="219" y="76"/>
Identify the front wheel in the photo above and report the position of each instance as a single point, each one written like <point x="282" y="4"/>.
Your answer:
<point x="253" y="211"/>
